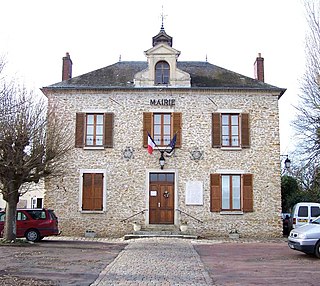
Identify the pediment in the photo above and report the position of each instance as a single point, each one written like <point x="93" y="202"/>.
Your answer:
<point x="162" y="49"/>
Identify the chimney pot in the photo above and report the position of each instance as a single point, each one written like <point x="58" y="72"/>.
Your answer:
<point x="259" y="68"/>
<point x="66" y="67"/>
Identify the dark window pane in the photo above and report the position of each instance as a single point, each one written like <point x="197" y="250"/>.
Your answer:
<point x="303" y="211"/>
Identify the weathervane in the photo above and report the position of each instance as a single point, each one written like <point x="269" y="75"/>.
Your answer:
<point x="162" y="19"/>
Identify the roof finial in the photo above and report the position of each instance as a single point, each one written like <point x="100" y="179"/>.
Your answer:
<point x="162" y="19"/>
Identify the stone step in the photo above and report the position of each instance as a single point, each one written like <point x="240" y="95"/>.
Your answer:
<point x="159" y="234"/>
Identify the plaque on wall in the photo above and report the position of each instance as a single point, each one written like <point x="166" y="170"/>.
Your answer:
<point x="194" y="193"/>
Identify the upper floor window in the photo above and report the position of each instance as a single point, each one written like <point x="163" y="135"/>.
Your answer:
<point x="94" y="130"/>
<point x="162" y="127"/>
<point x="230" y="130"/>
<point x="162" y="73"/>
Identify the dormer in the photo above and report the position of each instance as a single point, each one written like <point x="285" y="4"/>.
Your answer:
<point x="162" y="68"/>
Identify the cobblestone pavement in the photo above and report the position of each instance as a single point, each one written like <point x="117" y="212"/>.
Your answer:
<point x="156" y="261"/>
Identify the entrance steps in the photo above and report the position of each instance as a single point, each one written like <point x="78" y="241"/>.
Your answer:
<point x="160" y="231"/>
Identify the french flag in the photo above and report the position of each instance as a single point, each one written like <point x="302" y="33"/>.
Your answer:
<point x="151" y="144"/>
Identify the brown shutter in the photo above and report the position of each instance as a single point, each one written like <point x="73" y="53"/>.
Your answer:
<point x="87" y="192"/>
<point x="177" y="120"/>
<point x="247" y="183"/>
<point x="92" y="192"/>
<point x="80" y="124"/>
<point x="215" y="192"/>
<point x="98" y="192"/>
<point x="147" y="124"/>
<point x="108" y="130"/>
<point x="216" y="130"/>
<point x="245" y="131"/>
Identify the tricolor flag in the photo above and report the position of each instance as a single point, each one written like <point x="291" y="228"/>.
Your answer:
<point x="151" y="144"/>
<point x="172" y="143"/>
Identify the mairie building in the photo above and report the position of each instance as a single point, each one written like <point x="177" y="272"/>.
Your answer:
<point x="216" y="157"/>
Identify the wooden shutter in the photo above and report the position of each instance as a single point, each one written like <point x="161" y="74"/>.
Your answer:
<point x="245" y="131"/>
<point x="147" y="127"/>
<point x="87" y="192"/>
<point x="215" y="192"/>
<point x="247" y="185"/>
<point x="216" y="130"/>
<point x="80" y="124"/>
<point x="108" y="130"/>
<point x="98" y="192"/>
<point x="176" y="122"/>
<point x="92" y="192"/>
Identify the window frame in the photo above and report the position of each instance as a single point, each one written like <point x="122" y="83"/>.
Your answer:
<point x="104" y="189"/>
<point x="243" y="130"/>
<point x="81" y="129"/>
<point x="162" y="73"/>
<point x="231" y="192"/>
<point x="162" y="135"/>
<point x="229" y="127"/>
<point x="95" y="125"/>
<point x="246" y="192"/>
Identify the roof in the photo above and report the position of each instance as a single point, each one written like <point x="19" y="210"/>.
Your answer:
<point x="204" y="75"/>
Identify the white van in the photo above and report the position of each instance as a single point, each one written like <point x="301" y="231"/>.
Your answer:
<point x="303" y="213"/>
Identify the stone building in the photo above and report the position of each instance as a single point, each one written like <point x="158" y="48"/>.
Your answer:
<point x="222" y="175"/>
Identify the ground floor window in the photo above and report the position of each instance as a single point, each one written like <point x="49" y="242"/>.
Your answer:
<point x="231" y="192"/>
<point x="92" y="186"/>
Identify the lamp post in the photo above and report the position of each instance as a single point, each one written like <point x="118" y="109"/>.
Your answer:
<point x="287" y="162"/>
<point x="162" y="160"/>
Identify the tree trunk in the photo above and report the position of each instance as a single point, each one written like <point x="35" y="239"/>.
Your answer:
<point x="10" y="229"/>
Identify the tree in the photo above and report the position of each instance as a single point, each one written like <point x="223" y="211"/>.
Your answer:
<point x="289" y="193"/>
<point x="307" y="123"/>
<point x="33" y="145"/>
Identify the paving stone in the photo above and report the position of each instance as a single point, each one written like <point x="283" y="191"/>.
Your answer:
<point x="156" y="261"/>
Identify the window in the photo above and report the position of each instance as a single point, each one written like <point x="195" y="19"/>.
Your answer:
<point x="94" y="130"/>
<point x="162" y="73"/>
<point x="21" y="216"/>
<point x="303" y="211"/>
<point x="93" y="190"/>
<point x="230" y="130"/>
<point x="231" y="192"/>
<point x="315" y="211"/>
<point x="162" y="127"/>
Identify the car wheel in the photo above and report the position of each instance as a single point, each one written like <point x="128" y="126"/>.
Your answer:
<point x="317" y="249"/>
<point x="32" y="235"/>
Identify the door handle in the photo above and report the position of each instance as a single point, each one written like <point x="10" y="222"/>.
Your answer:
<point x="158" y="205"/>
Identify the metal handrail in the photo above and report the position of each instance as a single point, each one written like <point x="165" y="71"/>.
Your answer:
<point x="140" y="212"/>
<point x="198" y="220"/>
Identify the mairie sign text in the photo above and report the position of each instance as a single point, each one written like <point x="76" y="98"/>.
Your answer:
<point x="163" y="102"/>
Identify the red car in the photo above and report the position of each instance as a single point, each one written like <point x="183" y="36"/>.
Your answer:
<point x="33" y="224"/>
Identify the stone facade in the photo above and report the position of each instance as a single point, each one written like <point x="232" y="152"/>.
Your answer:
<point x="127" y="166"/>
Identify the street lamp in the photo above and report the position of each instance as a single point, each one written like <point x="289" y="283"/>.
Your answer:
<point x="287" y="162"/>
<point x="162" y="160"/>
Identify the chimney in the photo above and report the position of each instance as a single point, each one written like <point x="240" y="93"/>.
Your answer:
<point x="259" y="68"/>
<point x="66" y="67"/>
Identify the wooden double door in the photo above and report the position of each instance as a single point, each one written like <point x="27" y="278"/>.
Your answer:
<point x="161" y="198"/>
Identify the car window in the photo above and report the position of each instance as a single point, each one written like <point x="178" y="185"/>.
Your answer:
<point x="303" y="211"/>
<point x="21" y="216"/>
<point x="2" y="216"/>
<point x="52" y="215"/>
<point x="315" y="211"/>
<point x="37" y="214"/>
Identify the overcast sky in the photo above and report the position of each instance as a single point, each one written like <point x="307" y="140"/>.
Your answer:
<point x="36" y="34"/>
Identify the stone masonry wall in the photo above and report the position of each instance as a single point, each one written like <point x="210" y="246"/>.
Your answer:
<point x="127" y="189"/>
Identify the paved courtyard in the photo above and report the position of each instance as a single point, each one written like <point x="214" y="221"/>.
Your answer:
<point x="156" y="261"/>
